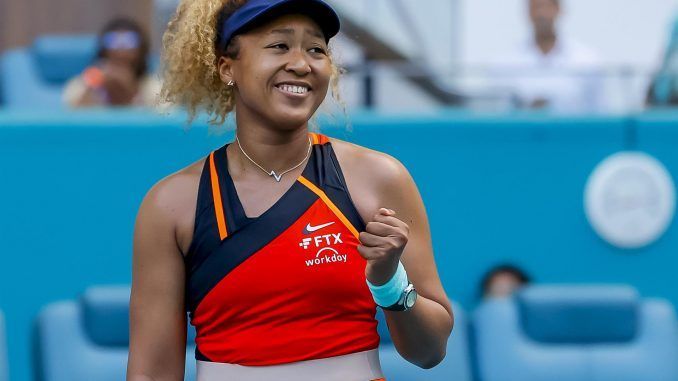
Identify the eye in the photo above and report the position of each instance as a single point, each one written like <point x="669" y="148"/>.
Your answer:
<point x="279" y="46"/>
<point x="319" y="50"/>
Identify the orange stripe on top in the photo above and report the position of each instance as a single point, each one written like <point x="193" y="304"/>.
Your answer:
<point x="216" y="194"/>
<point x="330" y="204"/>
<point x="319" y="138"/>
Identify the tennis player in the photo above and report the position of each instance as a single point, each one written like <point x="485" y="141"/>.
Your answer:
<point x="281" y="244"/>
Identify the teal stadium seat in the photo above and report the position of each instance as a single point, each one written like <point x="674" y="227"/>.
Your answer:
<point x="35" y="76"/>
<point x="88" y="339"/>
<point x="455" y="367"/>
<point x="576" y="333"/>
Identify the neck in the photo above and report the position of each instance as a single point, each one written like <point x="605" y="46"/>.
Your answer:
<point x="546" y="41"/>
<point x="274" y="149"/>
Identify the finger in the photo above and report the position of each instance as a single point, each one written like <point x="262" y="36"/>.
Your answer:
<point x="370" y="253"/>
<point x="381" y="229"/>
<point x="370" y="240"/>
<point x="390" y="220"/>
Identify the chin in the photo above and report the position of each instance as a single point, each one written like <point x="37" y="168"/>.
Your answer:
<point x="292" y="119"/>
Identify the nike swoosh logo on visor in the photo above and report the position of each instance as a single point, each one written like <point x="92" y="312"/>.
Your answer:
<point x="310" y="229"/>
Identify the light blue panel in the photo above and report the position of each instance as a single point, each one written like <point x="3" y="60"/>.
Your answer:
<point x="33" y="77"/>
<point x="503" y="348"/>
<point x="65" y="350"/>
<point x="456" y="365"/>
<point x="21" y="86"/>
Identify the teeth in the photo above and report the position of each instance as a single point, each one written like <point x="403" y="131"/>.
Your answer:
<point x="294" y="89"/>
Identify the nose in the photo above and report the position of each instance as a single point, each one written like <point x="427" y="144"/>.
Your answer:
<point x="298" y="63"/>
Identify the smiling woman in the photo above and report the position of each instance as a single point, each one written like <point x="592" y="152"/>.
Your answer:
<point x="280" y="246"/>
<point x="193" y="80"/>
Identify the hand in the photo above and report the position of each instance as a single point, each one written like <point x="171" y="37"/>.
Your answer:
<point x="120" y="83"/>
<point x="382" y="244"/>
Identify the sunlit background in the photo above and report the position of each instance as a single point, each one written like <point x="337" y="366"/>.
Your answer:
<point x="548" y="179"/>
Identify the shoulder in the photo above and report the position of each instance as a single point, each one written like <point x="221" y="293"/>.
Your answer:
<point x="382" y="169"/>
<point x="170" y="200"/>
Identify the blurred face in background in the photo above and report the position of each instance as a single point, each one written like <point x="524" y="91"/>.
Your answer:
<point x="544" y="14"/>
<point x="502" y="284"/>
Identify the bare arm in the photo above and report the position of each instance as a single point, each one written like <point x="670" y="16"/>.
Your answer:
<point x="420" y="334"/>
<point x="157" y="317"/>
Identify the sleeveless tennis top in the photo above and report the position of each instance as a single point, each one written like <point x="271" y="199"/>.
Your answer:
<point x="286" y="286"/>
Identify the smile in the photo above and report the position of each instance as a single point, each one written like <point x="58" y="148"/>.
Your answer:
<point x="296" y="91"/>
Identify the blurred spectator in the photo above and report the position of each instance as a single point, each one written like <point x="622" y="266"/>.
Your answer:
<point x="556" y="72"/>
<point x="664" y="87"/>
<point x="119" y="77"/>
<point x="501" y="281"/>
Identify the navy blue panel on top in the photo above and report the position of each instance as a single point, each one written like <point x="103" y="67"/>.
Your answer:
<point x="205" y="232"/>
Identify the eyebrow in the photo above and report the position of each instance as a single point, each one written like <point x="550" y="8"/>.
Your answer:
<point x="312" y="32"/>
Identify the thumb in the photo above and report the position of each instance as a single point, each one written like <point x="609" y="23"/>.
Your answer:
<point x="387" y="212"/>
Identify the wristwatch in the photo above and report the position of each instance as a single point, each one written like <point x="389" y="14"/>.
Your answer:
<point x="406" y="301"/>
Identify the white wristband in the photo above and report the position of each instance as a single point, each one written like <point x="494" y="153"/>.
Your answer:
<point x="389" y="293"/>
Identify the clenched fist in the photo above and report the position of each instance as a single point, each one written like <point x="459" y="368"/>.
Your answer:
<point x="382" y="244"/>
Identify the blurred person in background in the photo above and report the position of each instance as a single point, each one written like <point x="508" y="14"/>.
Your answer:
<point x="663" y="90"/>
<point x="280" y="270"/>
<point x="556" y="73"/>
<point x="119" y="77"/>
<point x="502" y="281"/>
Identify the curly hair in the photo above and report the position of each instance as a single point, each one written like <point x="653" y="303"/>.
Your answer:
<point x="190" y="56"/>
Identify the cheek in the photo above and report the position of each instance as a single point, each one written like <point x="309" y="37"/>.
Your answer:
<point x="324" y="74"/>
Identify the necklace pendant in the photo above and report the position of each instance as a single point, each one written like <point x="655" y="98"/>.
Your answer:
<point x="275" y="176"/>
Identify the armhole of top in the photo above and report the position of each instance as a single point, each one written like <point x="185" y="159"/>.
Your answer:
<point x="337" y="169"/>
<point x="199" y="208"/>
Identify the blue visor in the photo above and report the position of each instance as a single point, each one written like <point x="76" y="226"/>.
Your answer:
<point x="256" y="12"/>
<point x="120" y="40"/>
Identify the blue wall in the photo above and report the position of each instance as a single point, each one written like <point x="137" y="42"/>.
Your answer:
<point x="496" y="189"/>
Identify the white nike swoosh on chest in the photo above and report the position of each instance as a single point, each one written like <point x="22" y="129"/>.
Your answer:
<point x="314" y="228"/>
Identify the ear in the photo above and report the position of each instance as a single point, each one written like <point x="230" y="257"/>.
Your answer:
<point x="225" y="66"/>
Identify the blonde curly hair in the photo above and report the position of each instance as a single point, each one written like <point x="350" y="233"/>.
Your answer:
<point x="190" y="55"/>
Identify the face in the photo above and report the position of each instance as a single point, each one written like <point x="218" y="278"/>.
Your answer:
<point x="282" y="72"/>
<point x="123" y="57"/>
<point x="543" y="14"/>
<point x="502" y="285"/>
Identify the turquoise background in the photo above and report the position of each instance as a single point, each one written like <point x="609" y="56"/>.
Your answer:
<point x="496" y="188"/>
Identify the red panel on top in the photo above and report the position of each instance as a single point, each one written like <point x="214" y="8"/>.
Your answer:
<point x="301" y="297"/>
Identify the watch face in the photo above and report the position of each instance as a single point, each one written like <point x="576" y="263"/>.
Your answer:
<point x="410" y="299"/>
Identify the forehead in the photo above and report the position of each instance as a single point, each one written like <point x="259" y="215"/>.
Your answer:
<point x="291" y="24"/>
<point x="541" y="3"/>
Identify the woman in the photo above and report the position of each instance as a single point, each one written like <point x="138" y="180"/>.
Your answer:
<point x="119" y="76"/>
<point x="282" y="243"/>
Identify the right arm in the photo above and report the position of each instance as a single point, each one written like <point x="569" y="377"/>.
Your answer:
<point x="157" y="349"/>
